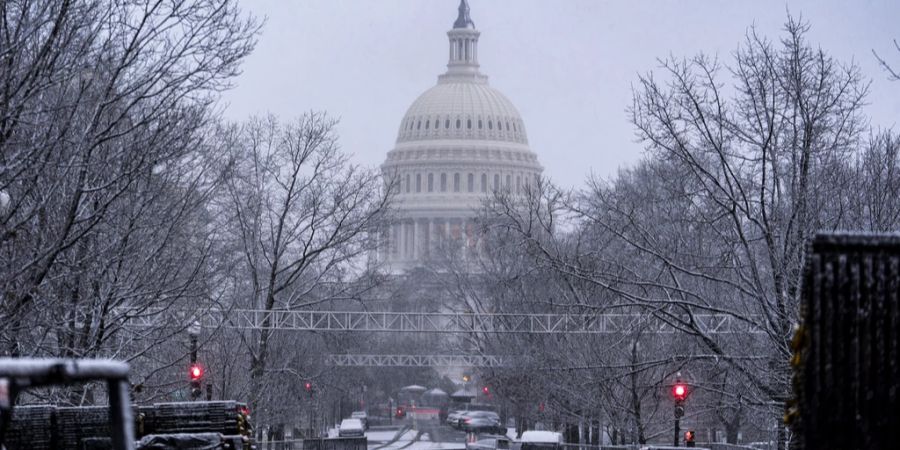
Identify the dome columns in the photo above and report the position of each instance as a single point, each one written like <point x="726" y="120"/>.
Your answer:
<point x="409" y="241"/>
<point x="463" y="51"/>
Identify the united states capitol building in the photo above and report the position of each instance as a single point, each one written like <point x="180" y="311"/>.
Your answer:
<point x="458" y="142"/>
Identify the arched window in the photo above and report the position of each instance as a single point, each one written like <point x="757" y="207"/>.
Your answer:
<point x="484" y="182"/>
<point x="407" y="183"/>
<point x="471" y="182"/>
<point x="419" y="125"/>
<point x="447" y="124"/>
<point x="443" y="182"/>
<point x="455" y="182"/>
<point x="430" y="182"/>
<point x="514" y="127"/>
<point x="508" y="181"/>
<point x="458" y="123"/>
<point x="490" y="125"/>
<point x="507" y="126"/>
<point x="469" y="124"/>
<point x="426" y="124"/>
<point x="518" y="183"/>
<point x="418" y="182"/>
<point x="479" y="124"/>
<point x="496" y="181"/>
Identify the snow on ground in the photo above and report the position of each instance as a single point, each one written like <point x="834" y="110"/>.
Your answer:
<point x="403" y="441"/>
<point x="427" y="445"/>
<point x="381" y="435"/>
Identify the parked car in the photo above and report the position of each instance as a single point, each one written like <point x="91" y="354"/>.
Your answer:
<point x="541" y="440"/>
<point x="351" y="428"/>
<point x="490" y="443"/>
<point x="453" y="417"/>
<point x="362" y="416"/>
<point x="482" y="422"/>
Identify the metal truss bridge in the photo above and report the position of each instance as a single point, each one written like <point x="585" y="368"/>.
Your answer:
<point x="413" y="322"/>
<point x="344" y="360"/>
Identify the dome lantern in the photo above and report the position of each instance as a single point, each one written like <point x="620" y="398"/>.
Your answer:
<point x="463" y="47"/>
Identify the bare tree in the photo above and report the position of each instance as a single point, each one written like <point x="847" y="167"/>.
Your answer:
<point x="104" y="108"/>
<point x="303" y="222"/>
<point x="744" y="163"/>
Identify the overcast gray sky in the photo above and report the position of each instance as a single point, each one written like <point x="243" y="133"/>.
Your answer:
<point x="567" y="65"/>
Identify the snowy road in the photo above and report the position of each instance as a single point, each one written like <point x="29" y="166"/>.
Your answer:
<point x="426" y="435"/>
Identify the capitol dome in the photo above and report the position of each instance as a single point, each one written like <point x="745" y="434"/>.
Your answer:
<point x="458" y="142"/>
<point x="462" y="110"/>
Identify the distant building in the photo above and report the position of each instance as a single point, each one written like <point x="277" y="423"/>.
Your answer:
<point x="459" y="141"/>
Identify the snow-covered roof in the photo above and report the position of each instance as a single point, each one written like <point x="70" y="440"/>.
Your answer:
<point x="414" y="387"/>
<point x="463" y="393"/>
<point x="435" y="391"/>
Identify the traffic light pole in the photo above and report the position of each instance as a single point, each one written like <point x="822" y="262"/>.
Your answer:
<point x="195" y="393"/>
<point x="677" y="429"/>
<point x="680" y="392"/>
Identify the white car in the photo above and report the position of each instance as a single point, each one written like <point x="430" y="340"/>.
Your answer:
<point x="351" y="428"/>
<point x="540" y="440"/>
<point x="362" y="416"/>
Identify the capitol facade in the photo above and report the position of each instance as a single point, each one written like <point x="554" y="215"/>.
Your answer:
<point x="458" y="142"/>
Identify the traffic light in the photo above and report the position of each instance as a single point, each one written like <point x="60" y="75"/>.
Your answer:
<point x="689" y="438"/>
<point x="195" y="372"/>
<point x="308" y="387"/>
<point x="679" y="391"/>
<point x="486" y="391"/>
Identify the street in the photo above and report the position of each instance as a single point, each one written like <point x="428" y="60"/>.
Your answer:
<point x="418" y="435"/>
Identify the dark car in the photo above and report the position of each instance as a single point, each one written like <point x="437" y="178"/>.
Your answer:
<point x="481" y="422"/>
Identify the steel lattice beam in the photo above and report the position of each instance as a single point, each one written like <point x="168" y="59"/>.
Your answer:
<point x="410" y="322"/>
<point x="417" y="360"/>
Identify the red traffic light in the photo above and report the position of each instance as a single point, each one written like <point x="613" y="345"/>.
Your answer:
<point x="679" y="391"/>
<point x="485" y="390"/>
<point x="196" y="372"/>
<point x="689" y="436"/>
<point x="308" y="386"/>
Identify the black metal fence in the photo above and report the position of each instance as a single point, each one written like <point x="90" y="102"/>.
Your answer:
<point x="847" y="365"/>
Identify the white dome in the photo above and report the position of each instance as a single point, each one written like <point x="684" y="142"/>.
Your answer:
<point x="458" y="142"/>
<point x="462" y="109"/>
